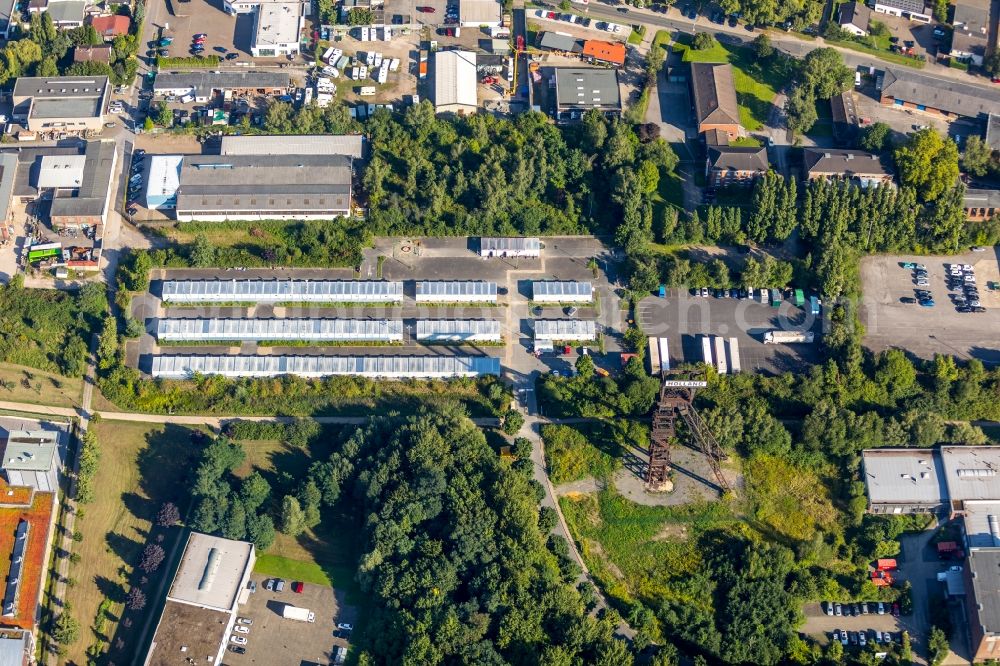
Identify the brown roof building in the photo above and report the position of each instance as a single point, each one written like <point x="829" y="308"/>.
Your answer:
<point x="715" y="98"/>
<point x="110" y="27"/>
<point x="731" y="165"/>
<point x="612" y="53"/>
<point x="852" y="165"/>
<point x="92" y="54"/>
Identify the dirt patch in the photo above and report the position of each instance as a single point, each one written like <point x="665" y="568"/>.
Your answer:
<point x="595" y="549"/>
<point x="672" y="532"/>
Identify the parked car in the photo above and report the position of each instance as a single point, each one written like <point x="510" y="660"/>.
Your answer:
<point x="239" y="640"/>
<point x="297" y="587"/>
<point x="862" y="639"/>
<point x="244" y="620"/>
<point x="237" y="649"/>
<point x="232" y="56"/>
<point x="927" y="303"/>
<point x="269" y="584"/>
<point x="838" y="610"/>
<point x="279" y="585"/>
<point x="344" y="626"/>
<point x="240" y="629"/>
<point x="908" y="300"/>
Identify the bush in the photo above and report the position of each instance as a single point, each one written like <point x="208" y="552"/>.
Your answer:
<point x="702" y="41"/>
<point x="188" y="62"/>
<point x="512" y="421"/>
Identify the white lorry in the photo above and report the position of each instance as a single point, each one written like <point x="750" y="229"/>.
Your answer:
<point x="787" y="337"/>
<point x="295" y="613"/>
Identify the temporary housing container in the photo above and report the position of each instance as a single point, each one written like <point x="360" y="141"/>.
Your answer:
<point x="466" y="291"/>
<point x="294" y="291"/>
<point x="320" y="330"/>
<point x="565" y="329"/>
<point x="458" y="330"/>
<point x="376" y="367"/>
<point x="510" y="247"/>
<point x="562" y="292"/>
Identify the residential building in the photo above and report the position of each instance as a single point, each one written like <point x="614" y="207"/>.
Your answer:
<point x="734" y="165"/>
<point x="854" y="17"/>
<point x="348" y="145"/>
<point x="970" y="31"/>
<point x="455" y="82"/>
<point x="559" y="41"/>
<point x="992" y="134"/>
<point x="203" y="85"/>
<point x="914" y="10"/>
<point x="714" y="97"/>
<point x="200" y="611"/>
<point x="111" y="25"/>
<point x="214" y="188"/>
<point x="92" y="54"/>
<point x="580" y="89"/>
<point x="83" y="196"/>
<point x="480" y="13"/>
<point x="277" y="29"/>
<point x="33" y="458"/>
<point x="610" y="53"/>
<point x="10" y="14"/>
<point x="906" y="89"/>
<point x="981" y="205"/>
<point x="66" y="14"/>
<point x="61" y="103"/>
<point x="851" y="165"/>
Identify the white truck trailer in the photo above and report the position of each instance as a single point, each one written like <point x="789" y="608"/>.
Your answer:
<point x="664" y="355"/>
<point x="734" y="356"/>
<point x="291" y="612"/>
<point x="654" y="357"/>
<point x="706" y="350"/>
<point x="720" y="355"/>
<point x="788" y="337"/>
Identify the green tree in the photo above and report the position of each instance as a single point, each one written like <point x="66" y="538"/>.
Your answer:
<point x="875" y="137"/>
<point x="202" y="252"/>
<point x="937" y="646"/>
<point x="309" y="499"/>
<point x="260" y="530"/>
<point x="163" y="116"/>
<point x="824" y="72"/>
<point x="254" y="491"/>
<point x="513" y="420"/>
<point x="991" y="63"/>
<point x="762" y="46"/>
<point x="928" y="163"/>
<point x="978" y="156"/>
<point x="293" y="519"/>
<point x="702" y="41"/>
<point x="66" y="630"/>
<point x="800" y="107"/>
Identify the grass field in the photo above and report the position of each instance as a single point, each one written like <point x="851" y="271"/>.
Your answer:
<point x="756" y="86"/>
<point x="43" y="388"/>
<point x="141" y="466"/>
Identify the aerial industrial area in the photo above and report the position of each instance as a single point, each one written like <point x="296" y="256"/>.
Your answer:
<point x="468" y="331"/>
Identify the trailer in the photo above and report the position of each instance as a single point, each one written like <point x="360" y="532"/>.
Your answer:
<point x="814" y="306"/>
<point x="706" y="350"/>
<point x="720" y="355"/>
<point x="776" y="298"/>
<point x="788" y="337"/>
<point x="654" y="357"/>
<point x="664" y="355"/>
<point x="291" y="612"/>
<point x="734" y="356"/>
<point x="800" y="298"/>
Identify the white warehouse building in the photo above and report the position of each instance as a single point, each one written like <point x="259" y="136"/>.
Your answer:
<point x="510" y="247"/>
<point x="322" y="330"/>
<point x="562" y="292"/>
<point x="465" y="291"/>
<point x="565" y="329"/>
<point x="292" y="291"/>
<point x="458" y="330"/>
<point x="375" y="367"/>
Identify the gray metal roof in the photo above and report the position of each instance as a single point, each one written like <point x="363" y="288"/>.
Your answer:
<point x="556" y="41"/>
<point x="948" y="95"/>
<point x="349" y="145"/>
<point x="972" y="472"/>
<point x="842" y="162"/>
<point x="444" y="290"/>
<point x="8" y="174"/>
<point x="14" y="648"/>
<point x="251" y="183"/>
<point x="993" y="131"/>
<point x="92" y="196"/>
<point x="587" y="88"/>
<point x="554" y="328"/>
<point x="509" y="243"/>
<point x="204" y="83"/>
<point x="904" y="476"/>
<point x="984" y="567"/>
<point x="179" y="367"/>
<point x="982" y="529"/>
<point x="279" y="329"/>
<point x="981" y="199"/>
<point x="912" y="6"/>
<point x="316" y="291"/>
<point x="62" y="96"/>
<point x="552" y="290"/>
<point x="211" y="571"/>
<point x="443" y="327"/>
<point x="30" y="450"/>
<point x="66" y="11"/>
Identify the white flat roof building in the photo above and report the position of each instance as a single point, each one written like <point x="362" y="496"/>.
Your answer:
<point x="458" y="330"/>
<point x="33" y="458"/>
<point x="374" y="367"/>
<point x="476" y="13"/>
<point x="292" y="291"/>
<point x="324" y="330"/>
<point x="162" y="181"/>
<point x="468" y="291"/>
<point x="565" y="329"/>
<point x="509" y="247"/>
<point x="63" y="172"/>
<point x="277" y="29"/>
<point x="562" y="292"/>
<point x="455" y="82"/>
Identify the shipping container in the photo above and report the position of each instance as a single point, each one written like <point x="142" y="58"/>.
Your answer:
<point x="664" y="355"/>
<point x="776" y="298"/>
<point x="720" y="355"/>
<point x="706" y="350"/>
<point x="800" y="298"/>
<point x="734" y="356"/>
<point x="654" y="356"/>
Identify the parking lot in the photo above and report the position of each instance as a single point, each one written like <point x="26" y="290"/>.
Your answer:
<point x="683" y="318"/>
<point x="821" y="626"/>
<point x="273" y="639"/>
<point x="924" y="331"/>
<point x="225" y="33"/>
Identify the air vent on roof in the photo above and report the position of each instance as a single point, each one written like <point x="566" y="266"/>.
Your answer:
<point x="977" y="472"/>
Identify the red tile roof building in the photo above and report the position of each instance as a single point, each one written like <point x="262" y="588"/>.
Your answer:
<point x="110" y="27"/>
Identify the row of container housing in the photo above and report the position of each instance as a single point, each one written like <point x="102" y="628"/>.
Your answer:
<point x="722" y="354"/>
<point x="381" y="367"/>
<point x="325" y="330"/>
<point x="659" y="355"/>
<point x="562" y="292"/>
<point x="293" y="291"/>
<point x="569" y="330"/>
<point x="458" y="330"/>
<point x="464" y="291"/>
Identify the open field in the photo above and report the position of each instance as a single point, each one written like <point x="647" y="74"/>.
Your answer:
<point x="141" y="466"/>
<point x="43" y="388"/>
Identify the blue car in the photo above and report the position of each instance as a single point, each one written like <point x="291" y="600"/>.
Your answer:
<point x="928" y="303"/>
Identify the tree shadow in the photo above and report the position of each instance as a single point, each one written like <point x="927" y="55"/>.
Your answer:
<point x="125" y="548"/>
<point x="165" y="466"/>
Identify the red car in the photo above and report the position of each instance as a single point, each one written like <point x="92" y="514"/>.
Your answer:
<point x="895" y="610"/>
<point x="199" y="40"/>
<point x="426" y="10"/>
<point x="297" y="587"/>
<point x="551" y="15"/>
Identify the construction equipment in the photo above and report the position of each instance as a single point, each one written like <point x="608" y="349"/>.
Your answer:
<point x="677" y="400"/>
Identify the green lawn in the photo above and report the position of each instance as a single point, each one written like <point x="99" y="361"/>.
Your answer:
<point x="882" y="53"/>
<point x="635" y="37"/>
<point x="824" y="125"/>
<point x="756" y="86"/>
<point x="283" y="567"/>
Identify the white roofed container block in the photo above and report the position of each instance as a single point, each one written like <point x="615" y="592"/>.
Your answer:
<point x="562" y="292"/>
<point x="458" y="330"/>
<point x="565" y="329"/>
<point x="291" y="291"/>
<point x="375" y="367"/>
<point x="470" y="291"/>
<point x="320" y="330"/>
<point x="510" y="247"/>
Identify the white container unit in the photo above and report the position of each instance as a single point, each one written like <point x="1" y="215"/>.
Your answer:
<point x="510" y="247"/>
<point x="291" y="291"/>
<point x="569" y="330"/>
<point x="375" y="367"/>
<point x="706" y="350"/>
<point x="655" y="366"/>
<point x="562" y="292"/>
<point x="456" y="291"/>
<point x="458" y="330"/>
<point x="734" y="356"/>
<point x="320" y="330"/>
<point x="664" y="354"/>
<point x="720" y="355"/>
